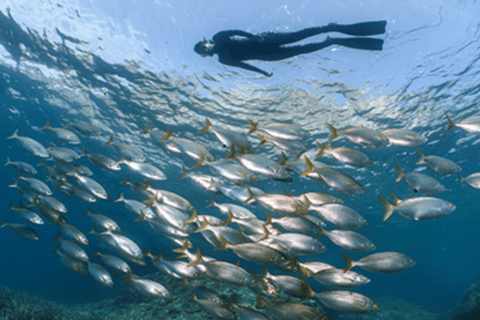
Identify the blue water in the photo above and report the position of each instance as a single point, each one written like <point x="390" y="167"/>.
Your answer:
<point x="120" y="66"/>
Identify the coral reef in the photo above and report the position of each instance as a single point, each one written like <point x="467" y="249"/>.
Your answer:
<point x="469" y="307"/>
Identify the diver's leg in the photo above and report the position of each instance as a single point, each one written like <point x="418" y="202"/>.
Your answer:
<point x="354" y="43"/>
<point x="358" y="29"/>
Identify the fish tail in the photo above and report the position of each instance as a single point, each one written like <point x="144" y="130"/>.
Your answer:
<point x="109" y="142"/>
<point x="263" y="140"/>
<point x="310" y="167"/>
<point x="57" y="250"/>
<point x="11" y="207"/>
<point x="348" y="262"/>
<point x="196" y="260"/>
<point x="400" y="173"/>
<point x="232" y="152"/>
<point x="142" y="217"/>
<point x="212" y="203"/>
<point x="334" y="131"/>
<point x="186" y="244"/>
<point x="42" y="163"/>
<point x="305" y="207"/>
<point x="223" y="244"/>
<point x="422" y="157"/>
<point x="396" y="200"/>
<point x="251" y="195"/>
<point x="201" y="160"/>
<point x="305" y="273"/>
<point x="8" y="162"/>
<point x="183" y="284"/>
<point x="184" y="173"/>
<point x="450" y="122"/>
<point x="15" y="184"/>
<point x="120" y="199"/>
<point x="69" y="124"/>
<point x="168" y="135"/>
<point x="47" y="126"/>
<point x="321" y="150"/>
<point x="269" y="219"/>
<point x="89" y="211"/>
<point x="388" y="208"/>
<point x="283" y="159"/>
<point x="260" y="302"/>
<point x="204" y="225"/>
<point x="84" y="152"/>
<point x="158" y="257"/>
<point x="14" y="135"/>
<point x="96" y="253"/>
<point x="147" y="129"/>
<point x="127" y="180"/>
<point x="192" y="218"/>
<point x="253" y="125"/>
<point x="462" y="179"/>
<point x="229" y="219"/>
<point x="58" y="237"/>
<point x="207" y="127"/>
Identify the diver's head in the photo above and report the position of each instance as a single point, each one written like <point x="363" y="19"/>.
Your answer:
<point x="204" y="48"/>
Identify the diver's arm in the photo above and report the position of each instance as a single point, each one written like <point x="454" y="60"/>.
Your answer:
<point x="244" y="65"/>
<point x="230" y="33"/>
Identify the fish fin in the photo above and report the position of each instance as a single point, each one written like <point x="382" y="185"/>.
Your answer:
<point x="462" y="179"/>
<point x="305" y="273"/>
<point x="127" y="277"/>
<point x="197" y="260"/>
<point x="14" y="185"/>
<point x="450" y="122"/>
<point x="422" y="157"/>
<point x="158" y="257"/>
<point x="8" y="162"/>
<point x="5" y="223"/>
<point x="47" y="126"/>
<point x="253" y="127"/>
<point x="89" y="211"/>
<point x="305" y="207"/>
<point x="201" y="160"/>
<point x="69" y="124"/>
<point x="283" y="159"/>
<point x="231" y="154"/>
<point x="321" y="149"/>
<point x="388" y="208"/>
<point x="310" y="167"/>
<point x="96" y="253"/>
<point x="167" y="136"/>
<point x="56" y="251"/>
<point x="184" y="173"/>
<point x="120" y="199"/>
<point x="212" y="203"/>
<point x="396" y="200"/>
<point x="231" y="303"/>
<point x="269" y="219"/>
<point x="207" y="127"/>
<point x="194" y="298"/>
<point x="229" y="219"/>
<point x="348" y="262"/>
<point x="186" y="244"/>
<point x="204" y="225"/>
<point x="263" y="140"/>
<point x="286" y="192"/>
<point x="109" y="142"/>
<point x="183" y="284"/>
<point x="147" y="129"/>
<point x="14" y="135"/>
<point x="400" y="173"/>
<point x="334" y="131"/>
<point x="142" y="217"/>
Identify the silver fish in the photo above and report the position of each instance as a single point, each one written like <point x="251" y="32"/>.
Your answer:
<point x="292" y="286"/>
<point x="101" y="161"/>
<point x="439" y="164"/>
<point x="363" y="136"/>
<point x="264" y="166"/>
<point x="71" y="249"/>
<point x="345" y="155"/>
<point x="21" y="230"/>
<point x="349" y="240"/>
<point x="144" y="169"/>
<point x="347" y="301"/>
<point x="86" y="129"/>
<point x="21" y="167"/>
<point x="188" y="147"/>
<point x="72" y="264"/>
<point x="240" y="193"/>
<point x="228" y="169"/>
<point x="216" y="310"/>
<point x="419" y="181"/>
<point x="74" y="234"/>
<point x="340" y="215"/>
<point x="51" y="202"/>
<point x="404" y="137"/>
<point x="126" y="248"/>
<point x="382" y="262"/>
<point x="337" y="278"/>
<point x="147" y="288"/>
<point x="102" y="221"/>
<point x="33" y="184"/>
<point x="76" y="192"/>
<point x="237" y="211"/>
<point x="130" y="152"/>
<point x="26" y="214"/>
<point x="228" y="137"/>
<point x="100" y="275"/>
<point x="31" y="146"/>
<point x="282" y="310"/>
<point x="417" y="208"/>
<point x="139" y="209"/>
<point x="299" y="244"/>
<point x="62" y="134"/>
<point x="290" y="146"/>
<point x="279" y="203"/>
<point x="113" y="262"/>
<point x="293" y="224"/>
<point x="91" y="186"/>
<point x="473" y="180"/>
<point x="280" y="130"/>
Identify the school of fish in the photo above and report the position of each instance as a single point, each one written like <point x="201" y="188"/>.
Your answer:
<point x="291" y="229"/>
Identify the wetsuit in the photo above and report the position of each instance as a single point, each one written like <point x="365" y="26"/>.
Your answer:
<point x="270" y="46"/>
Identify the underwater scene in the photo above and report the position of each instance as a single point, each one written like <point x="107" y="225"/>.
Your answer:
<point x="240" y="160"/>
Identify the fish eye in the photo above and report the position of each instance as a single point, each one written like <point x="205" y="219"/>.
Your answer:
<point x="372" y="245"/>
<point x="364" y="278"/>
<point x="363" y="244"/>
<point x="323" y="247"/>
<point x="450" y="205"/>
<point x="253" y="281"/>
<point x="375" y="305"/>
<point x="411" y="261"/>
<point x="442" y="186"/>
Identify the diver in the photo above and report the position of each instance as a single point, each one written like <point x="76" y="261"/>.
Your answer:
<point x="270" y="46"/>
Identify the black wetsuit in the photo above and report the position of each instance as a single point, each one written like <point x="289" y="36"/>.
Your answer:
<point x="270" y="46"/>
